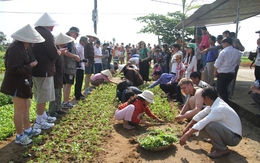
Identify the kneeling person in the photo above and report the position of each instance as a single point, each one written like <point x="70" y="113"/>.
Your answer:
<point x="101" y="78"/>
<point x="194" y="102"/>
<point x="219" y="120"/>
<point x="132" y="110"/>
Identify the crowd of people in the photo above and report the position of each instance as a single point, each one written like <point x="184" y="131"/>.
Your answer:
<point x="51" y="66"/>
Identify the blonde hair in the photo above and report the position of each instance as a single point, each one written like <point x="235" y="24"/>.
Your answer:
<point x="185" y="81"/>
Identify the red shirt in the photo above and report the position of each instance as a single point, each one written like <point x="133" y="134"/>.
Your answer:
<point x="140" y="108"/>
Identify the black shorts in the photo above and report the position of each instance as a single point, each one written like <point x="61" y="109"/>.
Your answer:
<point x="68" y="79"/>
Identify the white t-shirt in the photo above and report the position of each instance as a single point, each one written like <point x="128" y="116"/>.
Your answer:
<point x="80" y="50"/>
<point x="257" y="59"/>
<point x="97" y="52"/>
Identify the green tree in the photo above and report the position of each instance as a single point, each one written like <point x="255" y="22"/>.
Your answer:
<point x="163" y="26"/>
<point x="2" y="38"/>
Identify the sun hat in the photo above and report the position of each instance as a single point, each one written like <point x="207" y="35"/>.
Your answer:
<point x="92" y="35"/>
<point x="177" y="56"/>
<point x="191" y="45"/>
<point x="84" y="39"/>
<point x="120" y="67"/>
<point x="62" y="39"/>
<point x="73" y="29"/>
<point x="107" y="73"/>
<point x="46" y="21"/>
<point x="148" y="96"/>
<point x="28" y="34"/>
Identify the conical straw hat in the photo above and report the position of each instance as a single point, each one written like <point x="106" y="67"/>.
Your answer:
<point x="120" y="67"/>
<point x="92" y="35"/>
<point x="107" y="73"/>
<point x="28" y="34"/>
<point x="46" y="21"/>
<point x="63" y="39"/>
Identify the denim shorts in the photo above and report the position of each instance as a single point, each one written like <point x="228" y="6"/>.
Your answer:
<point x="89" y="69"/>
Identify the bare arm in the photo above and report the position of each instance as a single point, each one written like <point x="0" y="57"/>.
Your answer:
<point x="70" y="55"/>
<point x="187" y="132"/>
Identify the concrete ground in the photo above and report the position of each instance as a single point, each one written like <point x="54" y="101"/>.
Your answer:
<point x="241" y="101"/>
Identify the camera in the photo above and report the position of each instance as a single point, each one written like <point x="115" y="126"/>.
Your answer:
<point x="79" y="63"/>
<point x="84" y="60"/>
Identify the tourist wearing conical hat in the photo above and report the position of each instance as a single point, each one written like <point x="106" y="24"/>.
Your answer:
<point x="55" y="109"/>
<point x="17" y="80"/>
<point x="102" y="77"/>
<point x="89" y="54"/>
<point x="46" y="54"/>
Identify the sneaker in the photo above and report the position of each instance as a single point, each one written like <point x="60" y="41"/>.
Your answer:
<point x="43" y="125"/>
<point x="87" y="91"/>
<point x="50" y="119"/>
<point x="34" y="132"/>
<point x="91" y="89"/>
<point x="67" y="105"/>
<point x="23" y="140"/>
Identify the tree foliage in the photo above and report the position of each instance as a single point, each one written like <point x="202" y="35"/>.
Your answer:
<point x="163" y="26"/>
<point x="2" y="38"/>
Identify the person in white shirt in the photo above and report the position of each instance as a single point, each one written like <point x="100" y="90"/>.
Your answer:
<point x="196" y="79"/>
<point x="173" y="64"/>
<point x="80" y="68"/>
<point x="224" y="67"/>
<point x="98" y="57"/>
<point x="190" y="60"/>
<point x="219" y="120"/>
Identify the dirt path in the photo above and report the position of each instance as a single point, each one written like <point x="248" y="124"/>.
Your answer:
<point x="120" y="148"/>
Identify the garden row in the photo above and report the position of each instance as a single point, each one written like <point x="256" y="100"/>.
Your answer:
<point x="80" y="133"/>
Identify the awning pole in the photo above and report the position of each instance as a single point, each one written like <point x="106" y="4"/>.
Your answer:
<point x="237" y="21"/>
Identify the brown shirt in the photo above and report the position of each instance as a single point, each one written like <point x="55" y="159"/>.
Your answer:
<point x="17" y="79"/>
<point x="89" y="52"/>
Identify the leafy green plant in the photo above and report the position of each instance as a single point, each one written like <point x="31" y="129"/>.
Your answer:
<point x="155" y="139"/>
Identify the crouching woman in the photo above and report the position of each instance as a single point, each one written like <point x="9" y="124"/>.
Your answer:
<point x="131" y="111"/>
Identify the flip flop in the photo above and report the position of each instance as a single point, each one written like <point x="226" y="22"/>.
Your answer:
<point x="129" y="127"/>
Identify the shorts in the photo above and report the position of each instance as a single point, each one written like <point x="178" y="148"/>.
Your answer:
<point x="68" y="79"/>
<point x="43" y="88"/>
<point x="89" y="69"/>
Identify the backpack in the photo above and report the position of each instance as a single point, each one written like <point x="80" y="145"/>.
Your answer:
<point x="252" y="56"/>
<point x="123" y="85"/>
<point x="128" y="93"/>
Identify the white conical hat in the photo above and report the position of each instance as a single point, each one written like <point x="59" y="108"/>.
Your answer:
<point x="46" y="21"/>
<point x="62" y="39"/>
<point x="120" y="67"/>
<point x="107" y="73"/>
<point x="92" y="35"/>
<point x="28" y="34"/>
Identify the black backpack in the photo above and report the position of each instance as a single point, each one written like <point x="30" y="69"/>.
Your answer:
<point x="123" y="85"/>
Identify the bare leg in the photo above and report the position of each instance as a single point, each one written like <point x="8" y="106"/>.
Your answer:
<point x="67" y="90"/>
<point x="21" y="114"/>
<point x="87" y="80"/>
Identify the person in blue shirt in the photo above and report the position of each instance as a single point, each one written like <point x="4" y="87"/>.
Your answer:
<point x="211" y="57"/>
<point x="166" y="82"/>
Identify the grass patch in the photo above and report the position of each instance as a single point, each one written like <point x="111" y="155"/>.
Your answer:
<point x="2" y="66"/>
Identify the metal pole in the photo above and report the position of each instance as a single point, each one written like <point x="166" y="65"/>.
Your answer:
<point x="238" y="13"/>
<point x="95" y="16"/>
<point x="183" y="17"/>
<point x="233" y="82"/>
